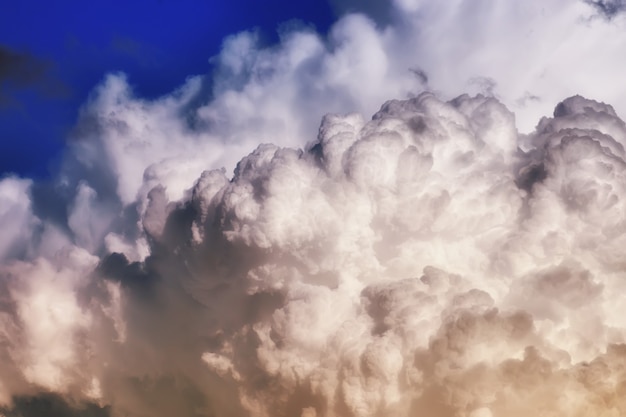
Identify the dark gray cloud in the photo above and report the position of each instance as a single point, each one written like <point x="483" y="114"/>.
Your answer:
<point x="21" y="70"/>
<point x="608" y="8"/>
<point x="52" y="405"/>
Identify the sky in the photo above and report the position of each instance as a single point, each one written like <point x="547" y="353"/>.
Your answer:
<point x="345" y="209"/>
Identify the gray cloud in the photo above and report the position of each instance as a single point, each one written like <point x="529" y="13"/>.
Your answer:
<point x="608" y="8"/>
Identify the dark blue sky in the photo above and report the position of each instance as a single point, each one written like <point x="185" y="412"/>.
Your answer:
<point x="53" y="53"/>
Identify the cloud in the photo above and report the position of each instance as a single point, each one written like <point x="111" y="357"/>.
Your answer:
<point x="226" y="253"/>
<point x="309" y="283"/>
<point x="16" y="217"/>
<point x="21" y="70"/>
<point x="608" y="9"/>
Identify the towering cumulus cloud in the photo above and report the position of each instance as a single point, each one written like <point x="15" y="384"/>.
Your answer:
<point x="428" y="261"/>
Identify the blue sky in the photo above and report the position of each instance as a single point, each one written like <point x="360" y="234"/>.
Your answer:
<point x="54" y="53"/>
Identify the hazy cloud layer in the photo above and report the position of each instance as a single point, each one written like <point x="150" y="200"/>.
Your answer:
<point x="428" y="260"/>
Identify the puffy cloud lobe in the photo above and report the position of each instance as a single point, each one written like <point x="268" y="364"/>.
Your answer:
<point x="349" y="337"/>
<point x="42" y="321"/>
<point x="380" y="355"/>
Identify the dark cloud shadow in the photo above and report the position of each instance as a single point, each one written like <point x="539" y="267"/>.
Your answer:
<point x="378" y="10"/>
<point x="52" y="405"/>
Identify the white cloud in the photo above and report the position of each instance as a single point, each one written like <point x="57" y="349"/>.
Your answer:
<point x="17" y="221"/>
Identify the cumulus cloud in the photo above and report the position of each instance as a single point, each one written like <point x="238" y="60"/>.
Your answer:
<point x="410" y="263"/>
<point x="206" y="254"/>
